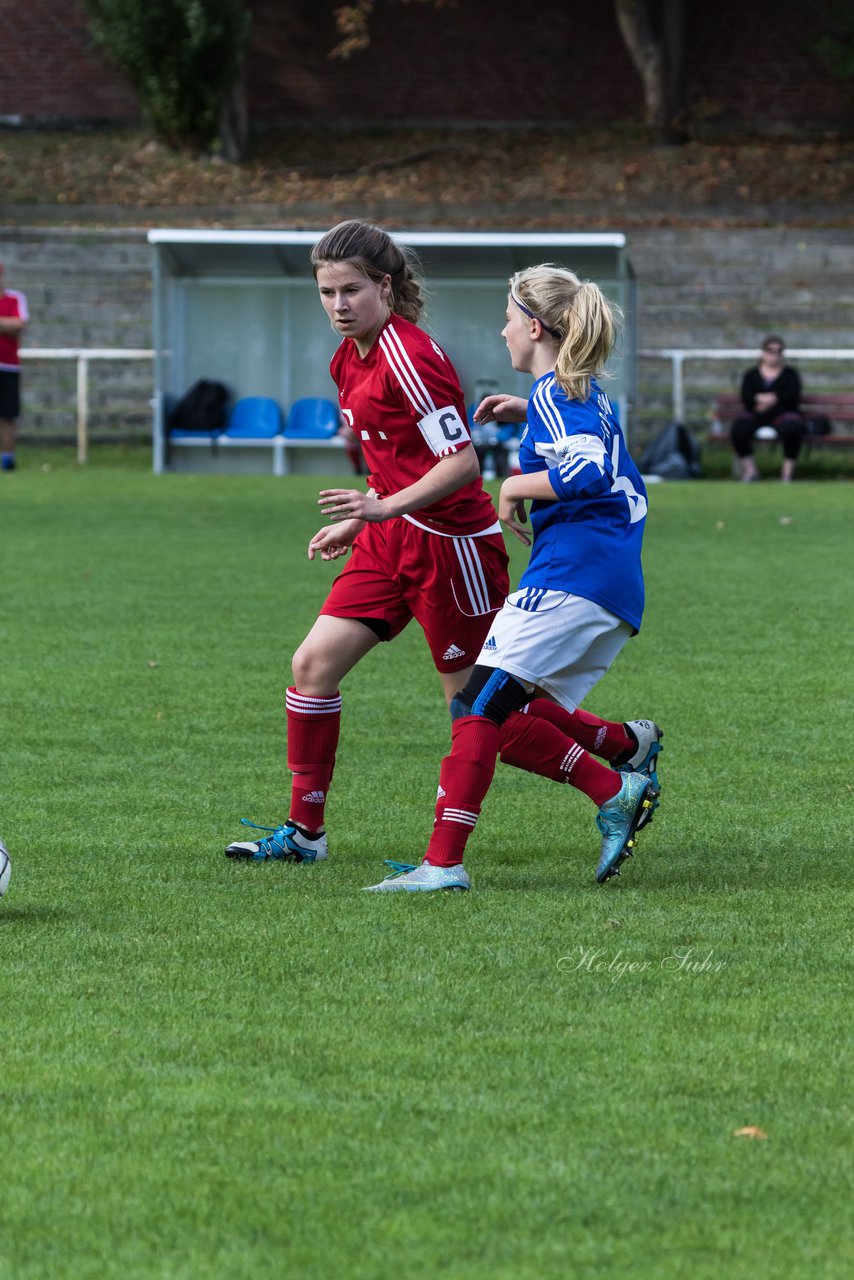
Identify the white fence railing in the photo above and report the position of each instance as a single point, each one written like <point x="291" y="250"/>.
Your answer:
<point x="679" y="357"/>
<point x="83" y="356"/>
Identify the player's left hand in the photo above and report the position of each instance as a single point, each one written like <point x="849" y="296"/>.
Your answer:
<point x="351" y="504"/>
<point x="511" y="511"/>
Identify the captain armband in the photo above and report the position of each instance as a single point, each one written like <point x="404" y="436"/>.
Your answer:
<point x="444" y="429"/>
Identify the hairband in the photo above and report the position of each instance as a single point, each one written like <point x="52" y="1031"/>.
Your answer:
<point x="528" y="312"/>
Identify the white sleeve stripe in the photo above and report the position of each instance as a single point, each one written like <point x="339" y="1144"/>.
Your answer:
<point x="541" y="411"/>
<point x="405" y="371"/>
<point x="550" y="415"/>
<point x="407" y="362"/>
<point x="400" y="374"/>
<point x="576" y="466"/>
<point x="473" y="574"/>
<point x="408" y="385"/>
<point x="551" y="408"/>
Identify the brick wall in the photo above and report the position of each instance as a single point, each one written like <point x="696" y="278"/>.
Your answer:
<point x="51" y="70"/>
<point x="477" y="61"/>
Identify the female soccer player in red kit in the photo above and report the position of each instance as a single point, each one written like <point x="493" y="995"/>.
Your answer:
<point x="425" y="539"/>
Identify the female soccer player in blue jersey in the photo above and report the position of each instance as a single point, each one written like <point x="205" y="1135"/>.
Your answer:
<point x="581" y="596"/>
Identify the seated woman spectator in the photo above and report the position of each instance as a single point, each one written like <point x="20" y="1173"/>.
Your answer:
<point x="771" y="394"/>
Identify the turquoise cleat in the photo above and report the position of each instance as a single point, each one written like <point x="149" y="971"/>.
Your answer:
<point x="619" y="820"/>
<point x="643" y="759"/>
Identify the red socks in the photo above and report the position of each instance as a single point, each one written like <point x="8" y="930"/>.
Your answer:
<point x="539" y="746"/>
<point x="313" y="728"/>
<point x="547" y="740"/>
<point x="528" y="742"/>
<point x="464" y="779"/>
<point x="604" y="738"/>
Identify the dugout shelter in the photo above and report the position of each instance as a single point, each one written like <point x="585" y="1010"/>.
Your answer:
<point x="240" y="307"/>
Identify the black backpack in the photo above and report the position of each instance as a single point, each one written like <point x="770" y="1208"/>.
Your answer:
<point x="674" y="454"/>
<point x="819" y="425"/>
<point x="202" y="409"/>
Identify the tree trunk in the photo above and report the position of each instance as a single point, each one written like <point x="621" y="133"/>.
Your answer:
<point x="673" y="40"/>
<point x="658" y="59"/>
<point x="234" y="121"/>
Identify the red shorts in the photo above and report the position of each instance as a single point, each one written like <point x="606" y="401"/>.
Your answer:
<point x="452" y="586"/>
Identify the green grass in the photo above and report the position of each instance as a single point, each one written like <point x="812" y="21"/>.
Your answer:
<point x="211" y="1070"/>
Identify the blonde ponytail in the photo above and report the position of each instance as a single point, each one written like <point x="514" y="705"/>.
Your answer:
<point x="589" y="335"/>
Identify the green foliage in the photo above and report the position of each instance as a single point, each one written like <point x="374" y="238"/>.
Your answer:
<point x="181" y="57"/>
<point x="222" y="1072"/>
<point x="836" y="46"/>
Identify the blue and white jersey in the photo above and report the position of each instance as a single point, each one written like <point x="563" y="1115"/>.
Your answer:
<point x="588" y="540"/>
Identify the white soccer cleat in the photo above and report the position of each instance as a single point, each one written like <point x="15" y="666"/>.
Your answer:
<point x="406" y="878"/>
<point x="647" y="736"/>
<point x="643" y="759"/>
<point x="287" y="843"/>
<point x="5" y="868"/>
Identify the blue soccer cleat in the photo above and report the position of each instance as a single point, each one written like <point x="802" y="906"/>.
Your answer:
<point x="619" y="820"/>
<point x="407" y="878"/>
<point x="288" y="843"/>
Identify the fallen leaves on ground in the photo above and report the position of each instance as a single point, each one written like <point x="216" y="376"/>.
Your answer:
<point x="539" y="173"/>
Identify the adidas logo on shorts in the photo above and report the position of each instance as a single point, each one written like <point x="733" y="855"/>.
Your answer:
<point x="491" y="645"/>
<point x="315" y="797"/>
<point x="453" y="652"/>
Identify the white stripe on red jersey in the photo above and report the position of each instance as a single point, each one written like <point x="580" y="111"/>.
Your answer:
<point x="405" y="371"/>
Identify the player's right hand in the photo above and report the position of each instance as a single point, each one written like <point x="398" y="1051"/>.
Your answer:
<point x="501" y="408"/>
<point x="511" y="511"/>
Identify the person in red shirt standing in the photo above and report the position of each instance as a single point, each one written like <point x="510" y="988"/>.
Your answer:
<point x="13" y="321"/>
<point x="424" y="538"/>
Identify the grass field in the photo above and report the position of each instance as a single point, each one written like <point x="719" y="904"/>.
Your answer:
<point x="210" y="1070"/>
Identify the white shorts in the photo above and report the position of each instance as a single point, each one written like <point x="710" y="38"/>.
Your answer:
<point x="561" y="643"/>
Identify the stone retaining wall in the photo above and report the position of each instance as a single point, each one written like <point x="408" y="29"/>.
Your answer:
<point x="696" y="287"/>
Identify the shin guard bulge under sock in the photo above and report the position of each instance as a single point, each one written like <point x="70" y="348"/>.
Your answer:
<point x="605" y="738"/>
<point x="464" y="779"/>
<point x="535" y="744"/>
<point x="314" y="724"/>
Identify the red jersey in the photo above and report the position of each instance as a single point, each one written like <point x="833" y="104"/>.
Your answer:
<point x="405" y="403"/>
<point x="12" y="304"/>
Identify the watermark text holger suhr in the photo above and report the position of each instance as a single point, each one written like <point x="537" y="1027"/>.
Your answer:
<point x="688" y="960"/>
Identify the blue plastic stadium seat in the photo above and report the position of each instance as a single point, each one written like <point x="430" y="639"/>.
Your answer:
<point x="313" y="418"/>
<point x="254" y="418"/>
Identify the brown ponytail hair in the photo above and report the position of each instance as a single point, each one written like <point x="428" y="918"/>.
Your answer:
<point x="375" y="254"/>
<point x="578" y="315"/>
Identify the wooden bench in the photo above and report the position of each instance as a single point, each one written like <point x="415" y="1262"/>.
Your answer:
<point x="837" y="406"/>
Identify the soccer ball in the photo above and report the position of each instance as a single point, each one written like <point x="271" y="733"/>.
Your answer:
<point x="5" y="869"/>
